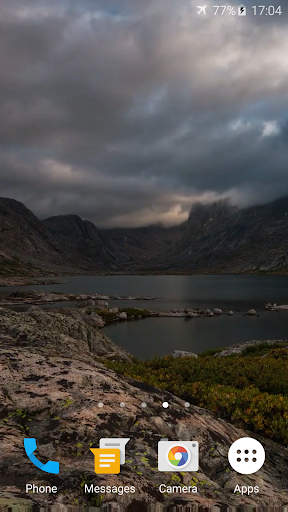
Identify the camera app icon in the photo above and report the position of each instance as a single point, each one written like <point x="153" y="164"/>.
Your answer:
<point x="178" y="455"/>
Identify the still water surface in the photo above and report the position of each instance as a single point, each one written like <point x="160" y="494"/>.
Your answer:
<point x="160" y="336"/>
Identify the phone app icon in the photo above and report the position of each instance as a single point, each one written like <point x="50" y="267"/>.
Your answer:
<point x="110" y="455"/>
<point x="30" y="447"/>
<point x="178" y="455"/>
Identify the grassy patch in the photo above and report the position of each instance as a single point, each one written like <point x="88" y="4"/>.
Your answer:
<point x="250" y="391"/>
<point x="107" y="316"/>
<point x="248" y="408"/>
<point x="211" y="352"/>
<point x="110" y="317"/>
<point x="269" y="374"/>
<point x="262" y="348"/>
<point x="135" y="312"/>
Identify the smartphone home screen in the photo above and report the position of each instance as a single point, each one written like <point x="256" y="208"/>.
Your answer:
<point x="143" y="255"/>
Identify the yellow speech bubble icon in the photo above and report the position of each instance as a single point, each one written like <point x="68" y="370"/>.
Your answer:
<point x="107" y="460"/>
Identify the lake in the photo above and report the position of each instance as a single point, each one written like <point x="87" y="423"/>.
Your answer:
<point x="160" y="336"/>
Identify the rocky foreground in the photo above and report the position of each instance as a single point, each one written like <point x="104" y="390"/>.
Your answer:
<point x="52" y="381"/>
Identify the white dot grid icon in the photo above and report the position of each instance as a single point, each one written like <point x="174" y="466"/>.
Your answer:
<point x="165" y="405"/>
<point x="246" y="455"/>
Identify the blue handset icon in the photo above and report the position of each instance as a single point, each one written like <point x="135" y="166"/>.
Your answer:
<point x="30" y="447"/>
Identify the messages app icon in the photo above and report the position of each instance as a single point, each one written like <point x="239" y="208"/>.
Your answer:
<point x="107" y="461"/>
<point x="110" y="455"/>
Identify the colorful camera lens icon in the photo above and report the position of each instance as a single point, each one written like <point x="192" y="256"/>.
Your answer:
<point x="178" y="455"/>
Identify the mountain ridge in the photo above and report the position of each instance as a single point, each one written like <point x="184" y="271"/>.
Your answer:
<point x="29" y="246"/>
<point x="83" y="241"/>
<point x="238" y="240"/>
<point x="216" y="238"/>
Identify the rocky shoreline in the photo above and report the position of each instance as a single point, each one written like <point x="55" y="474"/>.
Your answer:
<point x="26" y="281"/>
<point x="275" y="307"/>
<point x="239" y="348"/>
<point x="38" y="297"/>
<point x="99" y="302"/>
<point x="53" y="378"/>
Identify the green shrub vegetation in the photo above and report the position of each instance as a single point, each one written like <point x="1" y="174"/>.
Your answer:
<point x="135" y="312"/>
<point x="250" y="391"/>
<point x="211" y="352"/>
<point x="107" y="316"/>
<point x="262" y="348"/>
<point x="110" y="317"/>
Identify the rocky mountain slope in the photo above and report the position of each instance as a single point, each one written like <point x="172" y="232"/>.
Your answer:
<point x="140" y="246"/>
<point x="51" y="382"/>
<point x="60" y="245"/>
<point x="221" y="239"/>
<point x="81" y="241"/>
<point x="24" y="241"/>
<point x="217" y="238"/>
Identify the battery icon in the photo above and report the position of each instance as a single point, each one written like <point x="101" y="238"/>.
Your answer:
<point x="242" y="10"/>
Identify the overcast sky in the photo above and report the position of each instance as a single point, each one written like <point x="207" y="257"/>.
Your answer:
<point x="125" y="112"/>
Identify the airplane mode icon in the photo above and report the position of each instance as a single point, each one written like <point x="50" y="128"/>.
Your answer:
<point x="202" y="9"/>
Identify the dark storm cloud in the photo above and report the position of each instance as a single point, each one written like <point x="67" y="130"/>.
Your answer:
<point x="126" y="112"/>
